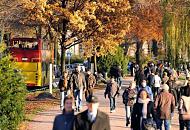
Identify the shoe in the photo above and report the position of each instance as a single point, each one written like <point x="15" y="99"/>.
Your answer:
<point x="128" y="122"/>
<point x="112" y="111"/>
<point x="61" y="108"/>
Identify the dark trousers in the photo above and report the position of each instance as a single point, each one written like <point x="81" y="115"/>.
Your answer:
<point x="155" y="91"/>
<point x="184" y="124"/>
<point x="118" y="80"/>
<point x="88" y="92"/>
<point x="112" y="103"/>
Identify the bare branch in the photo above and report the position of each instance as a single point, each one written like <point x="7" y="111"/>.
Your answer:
<point x="81" y="39"/>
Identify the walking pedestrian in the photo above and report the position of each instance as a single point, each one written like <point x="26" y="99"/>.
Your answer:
<point x="165" y="78"/>
<point x="151" y="79"/>
<point x="143" y="111"/>
<point x="147" y="88"/>
<point x="184" y="112"/>
<point x="119" y="75"/>
<point x="129" y="97"/>
<point x="65" y="120"/>
<point x="92" y="118"/>
<point x="157" y="83"/>
<point x="132" y="69"/>
<point x="63" y="87"/>
<point x="77" y="84"/>
<point x="187" y="73"/>
<point x="112" y="90"/>
<point x="91" y="82"/>
<point x="139" y="76"/>
<point x="164" y="105"/>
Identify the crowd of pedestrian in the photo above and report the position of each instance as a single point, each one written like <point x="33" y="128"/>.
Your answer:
<point x="150" y="100"/>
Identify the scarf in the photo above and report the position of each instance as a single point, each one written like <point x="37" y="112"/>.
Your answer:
<point x="144" y="109"/>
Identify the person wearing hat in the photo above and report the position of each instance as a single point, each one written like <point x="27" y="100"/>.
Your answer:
<point x="164" y="105"/>
<point x="92" y="118"/>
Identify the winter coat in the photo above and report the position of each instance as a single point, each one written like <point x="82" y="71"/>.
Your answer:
<point x="164" y="105"/>
<point x="82" y="122"/>
<point x="165" y="79"/>
<point x="63" y="84"/>
<point x="184" y="108"/>
<point x="187" y="90"/>
<point x="157" y="81"/>
<point x="63" y="121"/>
<point x="77" y="81"/>
<point x="151" y="80"/>
<point x="137" y="114"/>
<point x="129" y="96"/>
<point x="90" y="81"/>
<point x="112" y="89"/>
<point x="139" y="77"/>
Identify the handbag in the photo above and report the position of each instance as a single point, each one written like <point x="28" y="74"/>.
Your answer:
<point x="149" y="124"/>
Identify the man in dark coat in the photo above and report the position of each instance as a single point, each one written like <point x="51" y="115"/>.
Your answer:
<point x="112" y="90"/>
<point x="92" y="118"/>
<point x="77" y="84"/>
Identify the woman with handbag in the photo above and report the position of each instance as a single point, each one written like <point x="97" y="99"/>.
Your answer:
<point x="143" y="117"/>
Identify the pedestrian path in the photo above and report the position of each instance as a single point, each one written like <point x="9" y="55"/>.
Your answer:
<point x="44" y="120"/>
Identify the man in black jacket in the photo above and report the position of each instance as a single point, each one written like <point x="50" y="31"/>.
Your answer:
<point x="92" y="118"/>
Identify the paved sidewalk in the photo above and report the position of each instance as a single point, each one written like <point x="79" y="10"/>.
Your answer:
<point x="44" y="120"/>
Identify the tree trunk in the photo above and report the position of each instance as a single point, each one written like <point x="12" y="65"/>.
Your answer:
<point x="64" y="31"/>
<point x="1" y="34"/>
<point x="55" y="52"/>
<point x="138" y="52"/>
<point x="63" y="58"/>
<point x="95" y="63"/>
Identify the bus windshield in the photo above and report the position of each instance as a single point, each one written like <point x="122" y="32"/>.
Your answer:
<point x="25" y="44"/>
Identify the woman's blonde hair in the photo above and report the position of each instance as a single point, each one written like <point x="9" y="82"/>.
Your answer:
<point x="132" y="84"/>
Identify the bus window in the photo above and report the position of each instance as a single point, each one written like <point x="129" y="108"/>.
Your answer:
<point x="25" y="45"/>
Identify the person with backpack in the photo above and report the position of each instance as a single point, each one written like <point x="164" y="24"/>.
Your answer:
<point x="129" y="98"/>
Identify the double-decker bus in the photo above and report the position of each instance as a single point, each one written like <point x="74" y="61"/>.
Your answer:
<point x="32" y="56"/>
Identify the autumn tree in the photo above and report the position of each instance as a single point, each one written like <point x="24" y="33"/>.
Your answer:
<point x="146" y="22"/>
<point x="102" y="23"/>
<point x="176" y="26"/>
<point x="11" y="15"/>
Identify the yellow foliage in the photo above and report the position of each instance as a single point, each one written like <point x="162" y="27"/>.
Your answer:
<point x="100" y="23"/>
